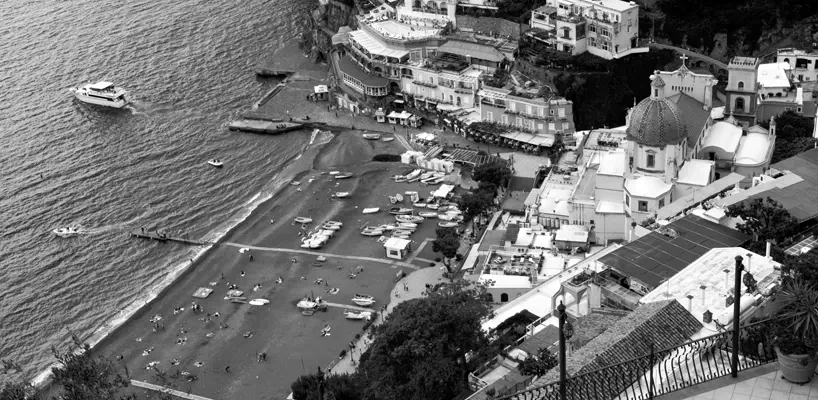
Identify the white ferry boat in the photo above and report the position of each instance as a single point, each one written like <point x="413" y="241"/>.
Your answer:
<point x="102" y="94"/>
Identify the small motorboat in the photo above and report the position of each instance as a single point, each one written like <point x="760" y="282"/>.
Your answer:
<point x="436" y="181"/>
<point x="453" y="211"/>
<point x="344" y="175"/>
<point x="372" y="232"/>
<point x="358" y="315"/>
<point x="400" y="210"/>
<point x="447" y="224"/>
<point x="295" y="183"/>
<point x="371" y="210"/>
<point x="215" y="162"/>
<point x="445" y="217"/>
<point x="334" y="172"/>
<point x="414" y="175"/>
<point x="68" y="231"/>
<point x="407" y="225"/>
<point x="387" y="227"/>
<point x="400" y="236"/>
<point x="399" y="198"/>
<point x="403" y="232"/>
<point x="399" y="178"/>
<point x="308" y="304"/>
<point x="312" y="244"/>
<point x="432" y="206"/>
<point x="393" y="199"/>
<point x="303" y="220"/>
<point x="363" y="300"/>
<point x="419" y="205"/>
<point x="341" y="195"/>
<point x="428" y="214"/>
<point x="409" y="218"/>
<point x="335" y="223"/>
<point x="371" y="136"/>
<point x="330" y="227"/>
<point x="388" y="139"/>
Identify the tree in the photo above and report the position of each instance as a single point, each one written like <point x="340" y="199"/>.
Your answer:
<point x="538" y="364"/>
<point x="475" y="203"/>
<point x="339" y="387"/>
<point x="17" y="391"/>
<point x="82" y="377"/>
<point x="802" y="266"/>
<point x="763" y="220"/>
<point x="496" y="172"/>
<point x="419" y="353"/>
<point x="446" y="243"/>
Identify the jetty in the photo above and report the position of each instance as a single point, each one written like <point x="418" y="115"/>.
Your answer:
<point x="145" y="234"/>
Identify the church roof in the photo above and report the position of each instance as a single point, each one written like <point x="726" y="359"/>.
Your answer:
<point x="658" y="81"/>
<point x="693" y="114"/>
<point x="656" y="122"/>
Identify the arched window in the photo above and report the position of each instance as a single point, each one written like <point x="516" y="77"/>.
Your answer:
<point x="740" y="104"/>
<point x="740" y="85"/>
<point x="503" y="298"/>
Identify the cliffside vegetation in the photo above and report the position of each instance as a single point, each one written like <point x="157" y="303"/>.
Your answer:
<point x="746" y="23"/>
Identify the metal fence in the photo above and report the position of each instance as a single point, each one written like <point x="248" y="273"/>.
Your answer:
<point x="663" y="371"/>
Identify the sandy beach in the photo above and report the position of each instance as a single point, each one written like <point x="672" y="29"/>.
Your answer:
<point x="292" y="341"/>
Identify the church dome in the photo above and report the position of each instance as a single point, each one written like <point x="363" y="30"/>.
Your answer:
<point x="656" y="122"/>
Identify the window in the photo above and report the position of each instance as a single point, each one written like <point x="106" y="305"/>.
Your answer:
<point x="661" y="203"/>
<point x="591" y="42"/>
<point x="432" y="80"/>
<point x="561" y="112"/>
<point x="628" y="200"/>
<point x="592" y="28"/>
<point x="542" y="111"/>
<point x="712" y="156"/>
<point x="740" y="104"/>
<point x="552" y="127"/>
<point x="740" y="85"/>
<point x="512" y="106"/>
<point x="519" y="122"/>
<point x="651" y="161"/>
<point x="505" y="119"/>
<point x="655" y="92"/>
<point x="643" y="206"/>
<point x="605" y="32"/>
<point x="490" y="116"/>
<point x="504" y="298"/>
<point x="800" y="109"/>
<point x="528" y="109"/>
<point x="551" y="111"/>
<point x="565" y="126"/>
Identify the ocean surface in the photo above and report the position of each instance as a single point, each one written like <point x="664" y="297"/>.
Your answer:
<point x="188" y="65"/>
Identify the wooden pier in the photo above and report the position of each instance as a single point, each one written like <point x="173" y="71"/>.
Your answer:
<point x="166" y="238"/>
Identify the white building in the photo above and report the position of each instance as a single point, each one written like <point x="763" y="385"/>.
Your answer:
<point x="804" y="66"/>
<point x="606" y="28"/>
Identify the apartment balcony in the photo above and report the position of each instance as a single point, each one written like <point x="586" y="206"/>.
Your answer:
<point x="530" y="116"/>
<point x="496" y="103"/>
<point x="698" y="369"/>
<point x="424" y="83"/>
<point x="571" y="18"/>
<point x="463" y="90"/>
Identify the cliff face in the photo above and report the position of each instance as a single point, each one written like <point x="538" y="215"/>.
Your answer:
<point x="323" y="22"/>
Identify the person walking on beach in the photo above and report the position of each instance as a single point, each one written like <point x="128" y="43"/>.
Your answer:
<point x="227" y="369"/>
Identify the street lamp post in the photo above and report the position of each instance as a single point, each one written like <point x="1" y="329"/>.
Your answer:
<point x="320" y="376"/>
<point x="736" y="316"/>
<point x="566" y="331"/>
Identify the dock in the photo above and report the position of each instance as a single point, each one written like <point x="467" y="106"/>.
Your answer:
<point x="263" y="126"/>
<point x="272" y="72"/>
<point x="166" y="238"/>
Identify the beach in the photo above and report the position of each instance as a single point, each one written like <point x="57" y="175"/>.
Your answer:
<point x="292" y="341"/>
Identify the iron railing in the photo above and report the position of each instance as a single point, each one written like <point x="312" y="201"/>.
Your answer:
<point x="663" y="371"/>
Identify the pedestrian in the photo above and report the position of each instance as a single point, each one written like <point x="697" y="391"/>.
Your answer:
<point x="264" y="357"/>
<point x="242" y="273"/>
<point x="336" y="114"/>
<point x="251" y="257"/>
<point x="258" y="357"/>
<point x="227" y="369"/>
<point x="222" y="276"/>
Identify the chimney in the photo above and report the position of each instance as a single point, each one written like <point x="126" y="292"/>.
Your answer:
<point x="767" y="253"/>
<point x="690" y="303"/>
<point x="704" y="290"/>
<point x="727" y="280"/>
<point x="749" y="262"/>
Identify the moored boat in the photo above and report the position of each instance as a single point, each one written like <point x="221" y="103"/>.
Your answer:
<point x="215" y="162"/>
<point x="409" y="225"/>
<point x="399" y="198"/>
<point x="419" y="205"/>
<point x="330" y="227"/>
<point x="372" y="232"/>
<point x="387" y="227"/>
<point x="409" y="218"/>
<point x="303" y="220"/>
<point x="344" y="175"/>
<point x="364" y="300"/>
<point x="341" y="195"/>
<point x="432" y="206"/>
<point x="357" y="315"/>
<point x="388" y="139"/>
<point x="371" y="210"/>
<point x="399" y="178"/>
<point x="447" y="224"/>
<point x="414" y="174"/>
<point x="101" y="94"/>
<point x="335" y="223"/>
<point x="428" y="214"/>
<point x="400" y="210"/>
<point x="371" y="136"/>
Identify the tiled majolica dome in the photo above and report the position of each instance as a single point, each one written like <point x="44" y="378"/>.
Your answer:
<point x="656" y="122"/>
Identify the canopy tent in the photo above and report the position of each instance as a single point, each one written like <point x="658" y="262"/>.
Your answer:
<point x="320" y="89"/>
<point x="443" y="191"/>
<point x="425" y="136"/>
<point x="373" y="46"/>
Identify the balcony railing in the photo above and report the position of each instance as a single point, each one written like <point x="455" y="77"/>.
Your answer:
<point x="531" y="116"/>
<point x="463" y="90"/>
<point x="663" y="371"/>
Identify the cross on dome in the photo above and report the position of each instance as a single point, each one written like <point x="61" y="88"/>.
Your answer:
<point x="684" y="58"/>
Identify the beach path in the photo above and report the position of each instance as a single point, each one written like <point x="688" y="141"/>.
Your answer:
<point x="328" y="255"/>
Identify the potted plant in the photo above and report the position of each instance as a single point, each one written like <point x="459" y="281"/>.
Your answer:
<point x="795" y="332"/>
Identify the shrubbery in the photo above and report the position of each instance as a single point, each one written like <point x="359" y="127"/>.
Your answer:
<point x="386" y="157"/>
